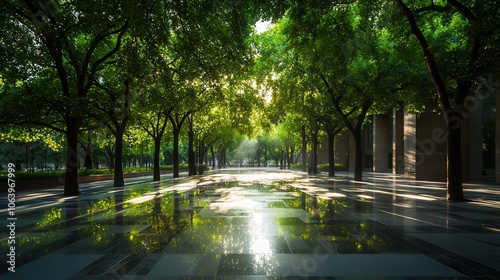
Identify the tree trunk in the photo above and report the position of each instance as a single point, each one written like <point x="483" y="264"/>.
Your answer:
<point x="156" y="164"/>
<point x="285" y="157"/>
<point x="88" y="154"/>
<point x="331" y="154"/>
<point x="314" y="169"/>
<point x="111" y="158"/>
<point x="454" y="189"/>
<point x="71" y="184"/>
<point x="358" y="165"/>
<point x="177" y="125"/>
<point x="281" y="158"/>
<point x="32" y="164"/>
<point x="88" y="160"/>
<point x="119" y="181"/>
<point x="224" y="158"/>
<point x="213" y="156"/>
<point x="176" y="154"/>
<point x="304" y="151"/>
<point x="96" y="162"/>
<point x="27" y="157"/>
<point x="202" y="151"/>
<point x="258" y="156"/>
<point x="191" y="154"/>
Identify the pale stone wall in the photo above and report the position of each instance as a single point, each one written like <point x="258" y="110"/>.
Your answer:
<point x="431" y="155"/>
<point x="380" y="143"/>
<point x="397" y="142"/>
<point x="497" y="131"/>
<point x="409" y="142"/>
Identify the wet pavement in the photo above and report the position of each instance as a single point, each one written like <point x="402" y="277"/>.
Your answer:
<point x="256" y="224"/>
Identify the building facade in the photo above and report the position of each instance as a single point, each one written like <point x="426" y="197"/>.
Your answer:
<point x="415" y="144"/>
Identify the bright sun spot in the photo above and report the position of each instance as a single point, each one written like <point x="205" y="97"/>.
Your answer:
<point x="261" y="26"/>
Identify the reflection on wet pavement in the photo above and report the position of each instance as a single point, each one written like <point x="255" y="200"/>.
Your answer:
<point x="232" y="224"/>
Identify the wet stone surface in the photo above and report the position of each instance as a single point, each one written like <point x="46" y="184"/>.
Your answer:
<point x="258" y="224"/>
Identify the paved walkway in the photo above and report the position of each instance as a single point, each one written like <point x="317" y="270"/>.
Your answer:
<point x="258" y="224"/>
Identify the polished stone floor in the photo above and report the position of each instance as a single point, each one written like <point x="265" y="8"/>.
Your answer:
<point x="257" y="224"/>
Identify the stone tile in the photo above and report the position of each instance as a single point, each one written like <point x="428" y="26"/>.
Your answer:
<point x="176" y="265"/>
<point x="54" y="266"/>
<point x="400" y="265"/>
<point x="241" y="224"/>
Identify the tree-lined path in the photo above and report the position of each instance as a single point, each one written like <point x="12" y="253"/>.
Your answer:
<point x="266" y="222"/>
<point x="114" y="84"/>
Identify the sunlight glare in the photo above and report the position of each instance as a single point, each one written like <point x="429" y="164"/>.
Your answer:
<point x="141" y="199"/>
<point x="262" y="26"/>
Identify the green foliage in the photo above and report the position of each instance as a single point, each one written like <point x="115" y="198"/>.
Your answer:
<point x="338" y="167"/>
<point x="323" y="167"/>
<point x="51" y="217"/>
<point x="24" y="175"/>
<point x="131" y="66"/>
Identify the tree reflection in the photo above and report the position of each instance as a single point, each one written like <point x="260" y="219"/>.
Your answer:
<point x="329" y="209"/>
<point x="179" y="218"/>
<point x="118" y="194"/>
<point x="176" y="213"/>
<point x="51" y="217"/>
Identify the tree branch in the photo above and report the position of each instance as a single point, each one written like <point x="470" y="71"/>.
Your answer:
<point x="462" y="9"/>
<point x="336" y="104"/>
<point x="441" y="90"/>
<point x="434" y="8"/>
<point x="450" y="5"/>
<point x="121" y="32"/>
<point x="39" y="123"/>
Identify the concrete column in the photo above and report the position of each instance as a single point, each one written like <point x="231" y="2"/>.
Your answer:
<point x="466" y="147"/>
<point x="497" y="129"/>
<point x="342" y="149"/>
<point x="476" y="141"/>
<point x="409" y="141"/>
<point x="431" y="152"/>
<point x="352" y="153"/>
<point x="367" y="146"/>
<point x="397" y="141"/>
<point x="323" y="151"/>
<point x="380" y="142"/>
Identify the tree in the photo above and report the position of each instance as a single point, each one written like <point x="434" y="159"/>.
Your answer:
<point x="177" y="119"/>
<point x="27" y="145"/>
<point x="339" y="49"/>
<point x="154" y="121"/>
<point x="121" y="82"/>
<point x="459" y="42"/>
<point x="71" y="41"/>
<point x="287" y="131"/>
<point x="210" y="40"/>
<point x="116" y="84"/>
<point x="86" y="146"/>
<point x="222" y="131"/>
<point x="320" y="110"/>
<point x="280" y="82"/>
<point x="210" y="126"/>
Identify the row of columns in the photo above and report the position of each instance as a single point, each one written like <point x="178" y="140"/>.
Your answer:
<point x="418" y="143"/>
<point x="407" y="143"/>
